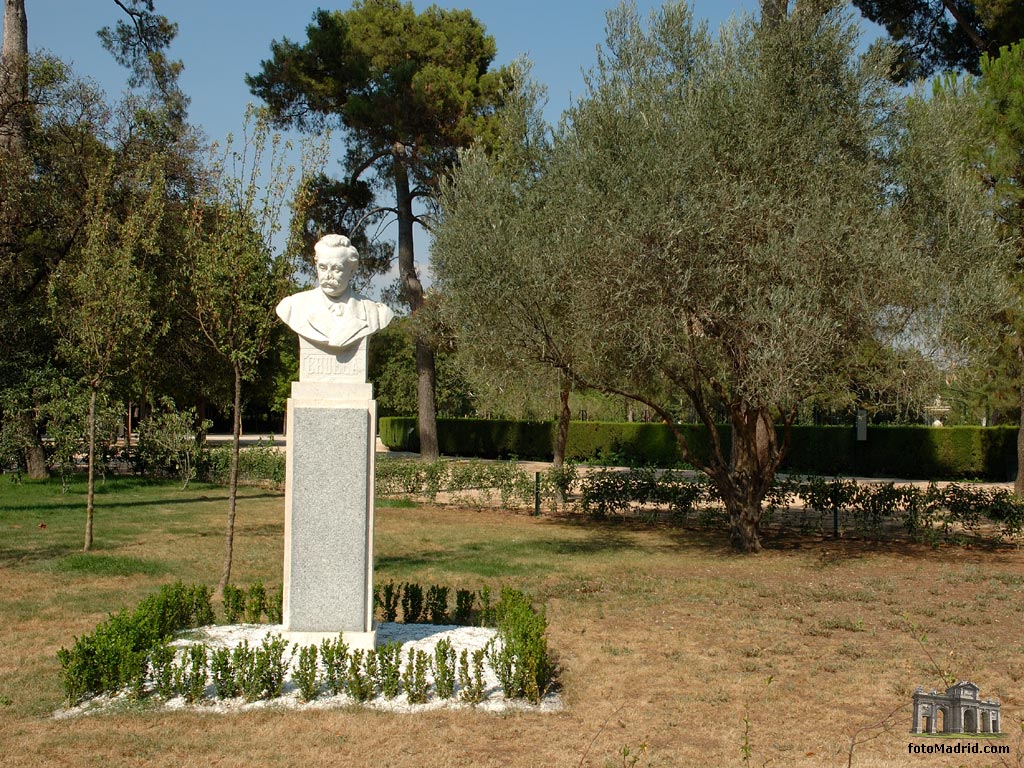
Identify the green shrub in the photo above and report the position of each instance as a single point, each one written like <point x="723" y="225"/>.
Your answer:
<point x="889" y="451"/>
<point x="464" y="600"/>
<point x="306" y="675"/>
<point x="225" y="680"/>
<point x="389" y="669"/>
<point x="519" y="652"/>
<point x="359" y="684"/>
<point x="190" y="676"/>
<point x="387" y="596"/>
<point x="234" y="604"/>
<point x="116" y="655"/>
<point x="260" y="464"/>
<point x="414" y="677"/>
<point x="471" y="678"/>
<point x="412" y="603"/>
<point x="334" y="658"/>
<point x="255" y="603"/>
<point x="171" y="443"/>
<point x="437" y="604"/>
<point x="444" y="669"/>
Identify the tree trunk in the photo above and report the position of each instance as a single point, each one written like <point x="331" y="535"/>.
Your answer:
<point x="426" y="400"/>
<point x="744" y="484"/>
<point x="236" y="434"/>
<point x="33" y="453"/>
<point x="564" y="416"/>
<point x="1018" y="483"/>
<point x="14" y="78"/>
<point x="90" y="496"/>
<point x="412" y="290"/>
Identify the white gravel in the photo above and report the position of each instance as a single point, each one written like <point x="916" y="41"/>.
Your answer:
<point x="412" y="636"/>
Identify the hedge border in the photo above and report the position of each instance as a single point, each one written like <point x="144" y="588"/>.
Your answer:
<point x="920" y="452"/>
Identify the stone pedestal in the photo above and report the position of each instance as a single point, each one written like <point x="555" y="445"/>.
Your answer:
<point x="328" y="529"/>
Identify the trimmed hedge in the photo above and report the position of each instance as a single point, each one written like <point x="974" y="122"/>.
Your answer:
<point x="890" y="451"/>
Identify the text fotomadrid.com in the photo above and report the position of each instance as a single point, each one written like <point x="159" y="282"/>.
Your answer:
<point x="960" y="748"/>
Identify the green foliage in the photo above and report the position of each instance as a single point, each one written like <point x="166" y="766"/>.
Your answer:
<point x="334" y="658"/>
<point x="275" y="606"/>
<point x="414" y="676"/>
<point x="471" y="678"/>
<point x="901" y="451"/>
<point x="306" y="674"/>
<point x="171" y="443"/>
<point x="358" y="683"/>
<point x="234" y="604"/>
<point x="190" y="676"/>
<point x="222" y="670"/>
<point x="389" y="669"/>
<point x="935" y="37"/>
<point x="519" y="653"/>
<point x="464" y="601"/>
<point x="255" y="603"/>
<point x="262" y="463"/>
<point x="412" y="603"/>
<point x="161" y="659"/>
<point x="261" y="671"/>
<point x="115" y="655"/>
<point x="444" y="669"/>
<point x="387" y="597"/>
<point x="436" y="606"/>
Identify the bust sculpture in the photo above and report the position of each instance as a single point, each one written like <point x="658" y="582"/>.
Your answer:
<point x="332" y="315"/>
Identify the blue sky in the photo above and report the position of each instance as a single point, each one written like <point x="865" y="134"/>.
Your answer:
<point x="220" y="41"/>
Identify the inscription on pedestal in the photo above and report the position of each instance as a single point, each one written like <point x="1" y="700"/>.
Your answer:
<point x="317" y="363"/>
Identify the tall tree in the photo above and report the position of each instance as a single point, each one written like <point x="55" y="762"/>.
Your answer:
<point x="944" y="35"/>
<point x="235" y="279"/>
<point x="1001" y="90"/>
<point x="140" y="45"/>
<point x="99" y="301"/>
<point x="520" y="344"/>
<point x="14" y="78"/>
<point x="408" y="90"/>
<point x="728" y="227"/>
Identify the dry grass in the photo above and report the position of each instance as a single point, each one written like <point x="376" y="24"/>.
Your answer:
<point x="663" y="637"/>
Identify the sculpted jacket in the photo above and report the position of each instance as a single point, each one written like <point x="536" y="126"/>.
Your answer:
<point x="336" y="324"/>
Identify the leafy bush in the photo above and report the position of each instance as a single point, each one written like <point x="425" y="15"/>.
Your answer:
<point x="171" y="443"/>
<point x="234" y="604"/>
<point x="334" y="658"/>
<point x="444" y="669"/>
<point x="261" y="464"/>
<point x="389" y="669"/>
<point x="414" y="677"/>
<point x="255" y="602"/>
<point x="471" y="678"/>
<point x="437" y="604"/>
<point x="412" y="603"/>
<point x="519" y="653"/>
<point x="306" y="674"/>
<point x="116" y="655"/>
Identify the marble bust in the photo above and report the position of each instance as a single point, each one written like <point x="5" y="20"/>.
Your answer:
<point x="331" y="315"/>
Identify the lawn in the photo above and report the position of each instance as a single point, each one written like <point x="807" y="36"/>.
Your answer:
<point x="663" y="637"/>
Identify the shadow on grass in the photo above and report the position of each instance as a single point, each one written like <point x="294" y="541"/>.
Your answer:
<point x="108" y="504"/>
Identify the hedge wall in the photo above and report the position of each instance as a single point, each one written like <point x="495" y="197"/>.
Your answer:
<point x="905" y="451"/>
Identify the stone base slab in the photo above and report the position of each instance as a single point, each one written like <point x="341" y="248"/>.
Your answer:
<point x="354" y="640"/>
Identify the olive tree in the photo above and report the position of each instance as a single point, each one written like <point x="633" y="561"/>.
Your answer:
<point x="722" y="225"/>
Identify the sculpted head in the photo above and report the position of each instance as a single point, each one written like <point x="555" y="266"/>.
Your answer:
<point x="336" y="263"/>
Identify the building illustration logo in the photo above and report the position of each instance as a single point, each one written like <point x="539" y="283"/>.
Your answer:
<point x="959" y="710"/>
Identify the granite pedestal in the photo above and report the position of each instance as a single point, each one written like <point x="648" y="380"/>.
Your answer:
<point x="328" y="530"/>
